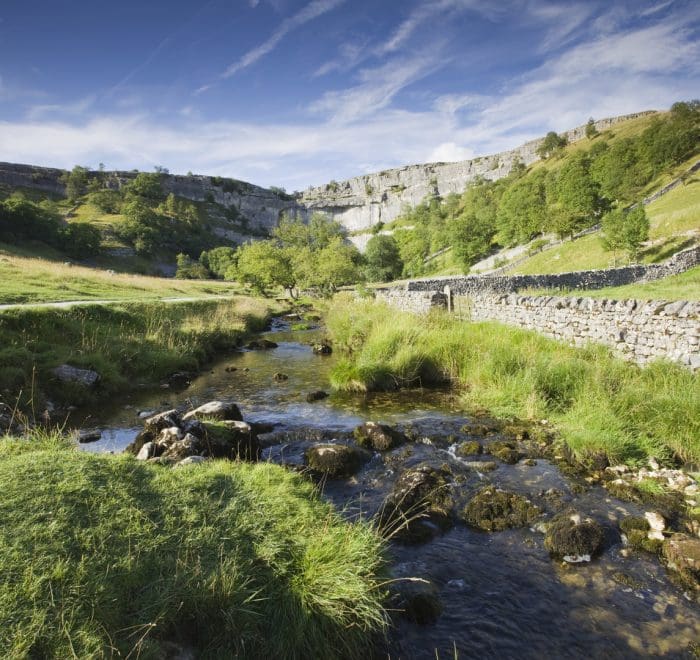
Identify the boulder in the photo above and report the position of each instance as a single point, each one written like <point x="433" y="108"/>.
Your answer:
<point x="639" y="535"/>
<point x="316" y="396"/>
<point x="336" y="460"/>
<point x="573" y="538"/>
<point x="215" y="410"/>
<point x="180" y="449"/>
<point x="67" y="373"/>
<point x="378" y="436"/>
<point x="89" y="435"/>
<point x="233" y="439"/>
<point x="166" y="419"/>
<point x="146" y="452"/>
<point x="321" y="349"/>
<point x="416" y="599"/>
<point x="493" y="509"/>
<point x="419" y="506"/>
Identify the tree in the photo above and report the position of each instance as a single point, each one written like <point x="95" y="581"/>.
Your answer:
<point x="145" y="185"/>
<point x="263" y="265"/>
<point x="576" y="195"/>
<point x="76" y="182"/>
<point x="625" y="230"/>
<point x="591" y="130"/>
<point x="221" y="261"/>
<point x="189" y="269"/>
<point x="551" y="144"/>
<point x="337" y="264"/>
<point x="522" y="212"/>
<point x="382" y="259"/>
<point x="474" y="226"/>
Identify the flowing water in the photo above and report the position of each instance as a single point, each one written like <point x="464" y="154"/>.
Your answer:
<point x="502" y="595"/>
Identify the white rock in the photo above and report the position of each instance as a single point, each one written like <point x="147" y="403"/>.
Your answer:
<point x="146" y="451"/>
<point x="656" y="521"/>
<point x="576" y="559"/>
<point x="191" y="460"/>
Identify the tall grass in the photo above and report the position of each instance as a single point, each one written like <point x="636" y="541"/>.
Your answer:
<point x="105" y="556"/>
<point x="126" y="344"/>
<point x="599" y="402"/>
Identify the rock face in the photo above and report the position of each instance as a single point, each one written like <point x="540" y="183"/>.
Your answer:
<point x="358" y="203"/>
<point x="363" y="201"/>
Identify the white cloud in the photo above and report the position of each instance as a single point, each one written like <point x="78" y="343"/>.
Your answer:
<point x="377" y="88"/>
<point x="313" y="10"/>
<point x="449" y="151"/>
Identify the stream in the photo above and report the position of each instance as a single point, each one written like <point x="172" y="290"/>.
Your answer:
<point x="502" y="595"/>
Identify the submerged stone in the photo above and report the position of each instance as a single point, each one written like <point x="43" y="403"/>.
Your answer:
<point x="417" y="600"/>
<point x="260" y="345"/>
<point x="468" y="448"/>
<point x="419" y="506"/>
<point x="316" y="396"/>
<point x="493" y="509"/>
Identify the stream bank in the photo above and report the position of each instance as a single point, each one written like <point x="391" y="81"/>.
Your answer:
<point x="484" y="593"/>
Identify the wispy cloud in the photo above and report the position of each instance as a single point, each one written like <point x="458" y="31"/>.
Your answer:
<point x="311" y="11"/>
<point x="76" y="108"/>
<point x="377" y="88"/>
<point x="655" y="9"/>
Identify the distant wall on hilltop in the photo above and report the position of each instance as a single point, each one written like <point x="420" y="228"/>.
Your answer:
<point x="363" y="201"/>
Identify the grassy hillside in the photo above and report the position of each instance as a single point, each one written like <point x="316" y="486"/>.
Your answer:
<point x="105" y="556"/>
<point x="674" y="224"/>
<point x="33" y="280"/>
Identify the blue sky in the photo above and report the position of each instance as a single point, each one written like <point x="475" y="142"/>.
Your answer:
<point x="298" y="92"/>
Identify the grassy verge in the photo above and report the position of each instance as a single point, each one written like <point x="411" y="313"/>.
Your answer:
<point x="599" y="403"/>
<point x="28" y="280"/>
<point x="105" y="556"/>
<point x="126" y="344"/>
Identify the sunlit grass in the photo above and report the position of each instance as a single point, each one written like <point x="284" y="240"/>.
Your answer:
<point x="599" y="402"/>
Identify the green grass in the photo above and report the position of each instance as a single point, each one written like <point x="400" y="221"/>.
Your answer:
<point x="685" y="286"/>
<point x="126" y="344"/>
<point x="674" y="224"/>
<point x="598" y="402"/>
<point x="24" y="279"/>
<point x="105" y="556"/>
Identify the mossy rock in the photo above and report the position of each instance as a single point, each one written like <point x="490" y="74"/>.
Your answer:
<point x="336" y="460"/>
<point x="479" y="429"/>
<point x="505" y="451"/>
<point x="682" y="554"/>
<point x="517" y="431"/>
<point x="634" y="523"/>
<point x="379" y="437"/>
<point x="419" y="506"/>
<point x="230" y="439"/>
<point x="627" y="580"/>
<point x="468" y="448"/>
<point x="570" y="535"/>
<point x="638" y="539"/>
<point x="492" y="510"/>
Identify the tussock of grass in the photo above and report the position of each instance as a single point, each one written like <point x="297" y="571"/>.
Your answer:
<point x="105" y="556"/>
<point x="599" y="402"/>
<point x="126" y="344"/>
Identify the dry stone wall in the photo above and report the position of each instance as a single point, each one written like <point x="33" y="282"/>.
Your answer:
<point x="585" y="279"/>
<point x="638" y="330"/>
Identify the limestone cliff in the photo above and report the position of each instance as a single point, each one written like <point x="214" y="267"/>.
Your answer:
<point x="363" y="201"/>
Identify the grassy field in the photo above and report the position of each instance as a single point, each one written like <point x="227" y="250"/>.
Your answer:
<point x="674" y="223"/>
<point x="599" y="403"/>
<point x="27" y="279"/>
<point x="104" y="556"/>
<point x="127" y="344"/>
